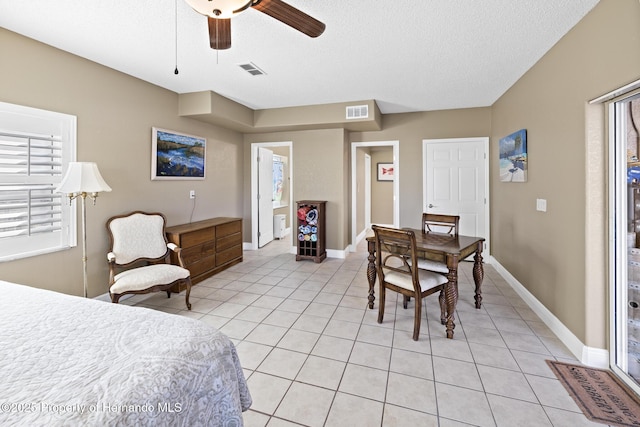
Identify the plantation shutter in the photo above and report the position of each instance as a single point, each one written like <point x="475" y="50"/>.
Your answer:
<point x="35" y="147"/>
<point x="28" y="203"/>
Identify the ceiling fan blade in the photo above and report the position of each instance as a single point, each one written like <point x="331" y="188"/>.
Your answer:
<point x="291" y="16"/>
<point x="219" y="33"/>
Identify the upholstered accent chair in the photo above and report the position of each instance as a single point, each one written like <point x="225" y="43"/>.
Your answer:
<point x="395" y="257"/>
<point x="138" y="257"/>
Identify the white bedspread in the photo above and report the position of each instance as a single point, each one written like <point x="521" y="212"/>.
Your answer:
<point x="71" y="361"/>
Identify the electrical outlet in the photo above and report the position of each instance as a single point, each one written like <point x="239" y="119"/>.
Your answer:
<point x="192" y="194"/>
<point x="541" y="205"/>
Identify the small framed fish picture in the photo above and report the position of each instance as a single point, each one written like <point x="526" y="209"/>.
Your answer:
<point x="385" y="172"/>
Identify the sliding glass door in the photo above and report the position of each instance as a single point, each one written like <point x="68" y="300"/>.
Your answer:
<point x="624" y="123"/>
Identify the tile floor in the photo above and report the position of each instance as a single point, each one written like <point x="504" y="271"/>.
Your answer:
<point x="314" y="355"/>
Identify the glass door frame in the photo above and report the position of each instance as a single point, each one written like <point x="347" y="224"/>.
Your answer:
<point x="619" y="205"/>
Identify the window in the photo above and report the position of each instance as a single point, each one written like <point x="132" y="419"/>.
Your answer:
<point x="35" y="148"/>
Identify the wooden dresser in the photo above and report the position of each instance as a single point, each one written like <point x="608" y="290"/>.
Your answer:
<point x="208" y="246"/>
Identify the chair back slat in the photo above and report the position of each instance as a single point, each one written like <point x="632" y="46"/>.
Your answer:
<point x="440" y="223"/>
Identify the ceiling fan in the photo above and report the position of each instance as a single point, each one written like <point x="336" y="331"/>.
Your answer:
<point x="220" y="12"/>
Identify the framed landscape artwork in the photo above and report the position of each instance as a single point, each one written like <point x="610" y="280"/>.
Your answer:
<point x="177" y="155"/>
<point x="513" y="157"/>
<point x="385" y="172"/>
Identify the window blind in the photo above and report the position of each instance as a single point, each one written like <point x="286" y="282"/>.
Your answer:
<point x="35" y="148"/>
<point x="30" y="169"/>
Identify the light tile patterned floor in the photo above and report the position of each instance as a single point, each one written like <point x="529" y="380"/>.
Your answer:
<point x="314" y="354"/>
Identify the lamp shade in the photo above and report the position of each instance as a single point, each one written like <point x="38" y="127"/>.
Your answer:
<point x="82" y="177"/>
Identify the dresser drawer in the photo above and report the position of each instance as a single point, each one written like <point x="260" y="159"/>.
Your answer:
<point x="202" y="265"/>
<point x="223" y="243"/>
<point x="222" y="257"/>
<point x="229" y="228"/>
<point x="194" y="253"/>
<point x="197" y="237"/>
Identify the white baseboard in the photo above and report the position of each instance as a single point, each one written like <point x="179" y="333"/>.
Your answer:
<point x="596" y="357"/>
<point x="335" y="253"/>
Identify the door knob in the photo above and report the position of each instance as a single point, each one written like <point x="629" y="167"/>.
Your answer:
<point x="431" y="206"/>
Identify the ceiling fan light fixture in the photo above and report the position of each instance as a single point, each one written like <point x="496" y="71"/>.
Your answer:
<point x="220" y="9"/>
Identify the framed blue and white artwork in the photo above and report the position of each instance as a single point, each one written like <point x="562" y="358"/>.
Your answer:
<point x="177" y="155"/>
<point x="513" y="157"/>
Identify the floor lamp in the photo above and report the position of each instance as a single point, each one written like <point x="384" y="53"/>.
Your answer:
<point x="81" y="180"/>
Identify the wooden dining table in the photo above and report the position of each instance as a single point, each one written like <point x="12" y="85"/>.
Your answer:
<point x="444" y="248"/>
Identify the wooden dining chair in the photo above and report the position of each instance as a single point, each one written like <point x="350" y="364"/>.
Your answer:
<point x="438" y="223"/>
<point x="395" y="257"/>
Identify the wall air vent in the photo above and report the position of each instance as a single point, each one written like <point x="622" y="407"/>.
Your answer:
<point x="252" y="69"/>
<point x="357" y="112"/>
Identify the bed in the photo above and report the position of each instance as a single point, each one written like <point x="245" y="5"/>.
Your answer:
<point x="66" y="360"/>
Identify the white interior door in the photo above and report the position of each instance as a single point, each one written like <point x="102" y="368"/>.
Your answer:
<point x="265" y="196"/>
<point x="456" y="181"/>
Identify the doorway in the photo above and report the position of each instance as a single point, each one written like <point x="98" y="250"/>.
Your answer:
<point x="456" y="182"/>
<point x="367" y="191"/>
<point x="361" y="188"/>
<point x="287" y="199"/>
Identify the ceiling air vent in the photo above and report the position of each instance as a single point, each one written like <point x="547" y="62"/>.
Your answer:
<point x="357" y="112"/>
<point x="252" y="69"/>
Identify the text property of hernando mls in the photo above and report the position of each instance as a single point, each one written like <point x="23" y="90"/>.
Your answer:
<point x="31" y="407"/>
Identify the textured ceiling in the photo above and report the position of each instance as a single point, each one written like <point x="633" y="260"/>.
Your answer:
<point x="408" y="55"/>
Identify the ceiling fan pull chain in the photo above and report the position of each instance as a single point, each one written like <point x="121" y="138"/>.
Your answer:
<point x="176" y="16"/>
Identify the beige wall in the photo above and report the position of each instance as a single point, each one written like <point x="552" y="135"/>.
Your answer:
<point x="115" y="115"/>
<point x="546" y="252"/>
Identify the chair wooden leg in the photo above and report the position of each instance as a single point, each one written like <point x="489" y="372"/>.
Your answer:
<point x="443" y="308"/>
<point x="168" y="294"/>
<point x="381" y="304"/>
<point x="405" y="301"/>
<point x="115" y="298"/>
<point x="188" y="292"/>
<point x="416" y="320"/>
